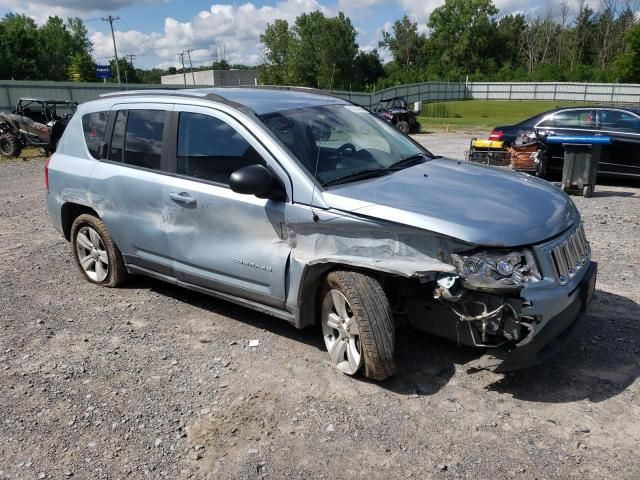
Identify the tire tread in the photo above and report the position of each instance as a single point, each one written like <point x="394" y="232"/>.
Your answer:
<point x="375" y="320"/>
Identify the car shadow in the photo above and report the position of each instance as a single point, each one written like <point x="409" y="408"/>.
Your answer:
<point x="610" y="193"/>
<point x="601" y="361"/>
<point x="309" y="336"/>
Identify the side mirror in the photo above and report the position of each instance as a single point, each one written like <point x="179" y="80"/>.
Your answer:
<point x="256" y="180"/>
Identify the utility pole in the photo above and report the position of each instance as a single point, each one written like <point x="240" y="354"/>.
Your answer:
<point x="184" y="72"/>
<point x="130" y="57"/>
<point x="191" y="65"/>
<point x="110" y="19"/>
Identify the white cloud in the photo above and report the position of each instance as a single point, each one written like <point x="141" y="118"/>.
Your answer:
<point x="237" y="28"/>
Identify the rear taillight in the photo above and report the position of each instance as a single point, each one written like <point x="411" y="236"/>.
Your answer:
<point x="46" y="173"/>
<point x="496" y="135"/>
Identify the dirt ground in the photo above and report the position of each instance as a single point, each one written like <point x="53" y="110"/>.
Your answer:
<point x="153" y="381"/>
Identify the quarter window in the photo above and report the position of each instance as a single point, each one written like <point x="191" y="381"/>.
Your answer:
<point x="210" y="149"/>
<point x="94" y="126"/>
<point x="137" y="138"/>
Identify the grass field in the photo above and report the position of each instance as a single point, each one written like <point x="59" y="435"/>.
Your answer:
<point x="482" y="114"/>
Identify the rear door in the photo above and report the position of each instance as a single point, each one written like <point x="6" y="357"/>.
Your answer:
<point x="219" y="239"/>
<point x="128" y="186"/>
<point x="624" y="154"/>
<point x="579" y="121"/>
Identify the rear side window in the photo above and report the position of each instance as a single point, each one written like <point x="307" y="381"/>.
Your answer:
<point x="94" y="125"/>
<point x="137" y="138"/>
<point x="619" y="121"/>
<point x="210" y="149"/>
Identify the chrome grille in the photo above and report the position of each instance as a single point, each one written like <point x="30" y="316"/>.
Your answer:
<point x="571" y="256"/>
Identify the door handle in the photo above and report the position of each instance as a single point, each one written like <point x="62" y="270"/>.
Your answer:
<point x="182" y="197"/>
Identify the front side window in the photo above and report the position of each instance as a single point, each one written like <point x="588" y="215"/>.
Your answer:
<point x="342" y="143"/>
<point x="137" y="138"/>
<point x="619" y="121"/>
<point x="93" y="126"/>
<point x="210" y="149"/>
<point x="583" y="119"/>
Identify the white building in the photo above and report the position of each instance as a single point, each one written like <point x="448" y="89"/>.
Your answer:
<point x="218" y="78"/>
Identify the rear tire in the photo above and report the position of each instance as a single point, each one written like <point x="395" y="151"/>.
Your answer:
<point x="403" y="127"/>
<point x="587" y="191"/>
<point x="360" y="333"/>
<point x="95" y="253"/>
<point x="10" y="145"/>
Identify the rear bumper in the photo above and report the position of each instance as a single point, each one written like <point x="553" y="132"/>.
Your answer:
<point x="539" y="346"/>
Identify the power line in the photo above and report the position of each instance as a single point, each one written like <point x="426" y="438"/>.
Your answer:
<point x="110" y="19"/>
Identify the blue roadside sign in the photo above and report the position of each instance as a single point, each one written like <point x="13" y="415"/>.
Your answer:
<point x="103" y="71"/>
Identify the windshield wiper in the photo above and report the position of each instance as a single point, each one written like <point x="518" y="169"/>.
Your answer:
<point x="406" y="162"/>
<point x="357" y="175"/>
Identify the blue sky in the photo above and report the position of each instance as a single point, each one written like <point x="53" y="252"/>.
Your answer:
<point x="156" y="30"/>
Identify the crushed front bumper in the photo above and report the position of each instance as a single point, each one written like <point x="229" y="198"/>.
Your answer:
<point x="541" y="345"/>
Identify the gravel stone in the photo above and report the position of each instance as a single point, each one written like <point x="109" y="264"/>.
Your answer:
<point x="88" y="395"/>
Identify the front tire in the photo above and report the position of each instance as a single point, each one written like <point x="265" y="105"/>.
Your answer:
<point x="403" y="127"/>
<point x="10" y="145"/>
<point x="95" y="253"/>
<point x="357" y="325"/>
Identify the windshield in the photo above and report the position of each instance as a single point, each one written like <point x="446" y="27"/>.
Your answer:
<point x="341" y="141"/>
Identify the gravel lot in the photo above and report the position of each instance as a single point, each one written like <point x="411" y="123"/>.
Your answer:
<point x="152" y="381"/>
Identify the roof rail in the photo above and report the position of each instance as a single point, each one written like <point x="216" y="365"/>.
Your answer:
<point x="189" y="93"/>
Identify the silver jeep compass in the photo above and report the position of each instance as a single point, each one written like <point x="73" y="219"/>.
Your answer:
<point x="313" y="210"/>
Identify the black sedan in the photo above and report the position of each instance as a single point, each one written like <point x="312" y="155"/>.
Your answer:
<point x="621" y="158"/>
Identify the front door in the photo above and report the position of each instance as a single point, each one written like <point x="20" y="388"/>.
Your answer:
<point x="578" y="122"/>
<point x="220" y="239"/>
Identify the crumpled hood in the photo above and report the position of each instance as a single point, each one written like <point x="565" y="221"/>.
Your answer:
<point x="473" y="203"/>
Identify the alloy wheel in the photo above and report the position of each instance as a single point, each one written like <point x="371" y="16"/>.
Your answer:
<point x="92" y="254"/>
<point x="341" y="333"/>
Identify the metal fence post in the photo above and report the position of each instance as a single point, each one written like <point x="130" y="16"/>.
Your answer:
<point x="555" y="91"/>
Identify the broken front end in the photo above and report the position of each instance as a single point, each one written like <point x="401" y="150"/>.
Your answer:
<point x="521" y="304"/>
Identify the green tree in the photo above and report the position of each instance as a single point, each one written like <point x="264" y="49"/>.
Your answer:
<point x="315" y="51"/>
<point x="405" y="43"/>
<point x="627" y="65"/>
<point x="56" y="49"/>
<point x="367" y="69"/>
<point x="276" y="40"/>
<point x="82" y="64"/>
<point x="20" y="47"/>
<point x="462" y="36"/>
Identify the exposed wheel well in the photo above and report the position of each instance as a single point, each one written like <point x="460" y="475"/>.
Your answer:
<point x="71" y="211"/>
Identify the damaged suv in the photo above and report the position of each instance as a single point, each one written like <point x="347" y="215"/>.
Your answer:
<point x="311" y="209"/>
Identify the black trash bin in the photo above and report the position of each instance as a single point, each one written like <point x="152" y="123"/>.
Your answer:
<point x="581" y="159"/>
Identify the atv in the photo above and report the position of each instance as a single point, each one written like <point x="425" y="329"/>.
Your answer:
<point x="396" y="112"/>
<point x="35" y="122"/>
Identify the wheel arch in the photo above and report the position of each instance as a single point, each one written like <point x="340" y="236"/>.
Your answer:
<point x="69" y="212"/>
<point x="308" y="299"/>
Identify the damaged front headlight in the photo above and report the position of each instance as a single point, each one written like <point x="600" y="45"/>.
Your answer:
<point x="497" y="269"/>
